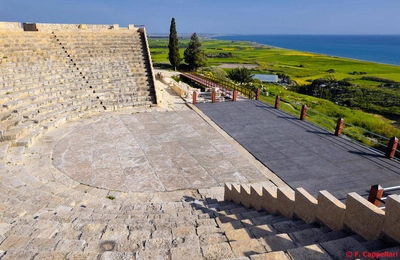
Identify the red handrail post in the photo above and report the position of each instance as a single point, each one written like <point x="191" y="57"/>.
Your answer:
<point x="258" y="94"/>
<point x="375" y="193"/>
<point x="339" y="126"/>
<point x="213" y="96"/>
<point x="303" y="112"/>
<point x="194" y="98"/>
<point x="277" y="102"/>
<point x="392" y="146"/>
<point x="234" y="95"/>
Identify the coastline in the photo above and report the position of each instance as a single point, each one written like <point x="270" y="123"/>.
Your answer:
<point x="216" y="37"/>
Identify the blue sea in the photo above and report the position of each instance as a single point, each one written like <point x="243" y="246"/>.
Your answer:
<point x="374" y="48"/>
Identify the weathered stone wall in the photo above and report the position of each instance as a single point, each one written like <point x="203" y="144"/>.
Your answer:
<point x="358" y="215"/>
<point x="62" y="27"/>
<point x="12" y="26"/>
<point x="183" y="90"/>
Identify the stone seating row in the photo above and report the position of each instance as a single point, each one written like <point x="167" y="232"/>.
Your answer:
<point x="37" y="45"/>
<point x="100" y="42"/>
<point x="10" y="86"/>
<point x="69" y="38"/>
<point x="103" y="66"/>
<point x="101" y="46"/>
<point x="104" y="80"/>
<point x="12" y="100"/>
<point x="27" y="58"/>
<point x="129" y="54"/>
<point x="39" y="74"/>
<point x="104" y="62"/>
<point x="111" y="71"/>
<point x="23" y="131"/>
<point x="32" y="76"/>
<point x="39" y="64"/>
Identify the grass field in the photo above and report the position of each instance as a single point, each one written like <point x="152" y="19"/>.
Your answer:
<point x="300" y="66"/>
<point x="303" y="68"/>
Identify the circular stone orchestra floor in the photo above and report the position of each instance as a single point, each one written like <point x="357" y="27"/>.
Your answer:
<point x="160" y="151"/>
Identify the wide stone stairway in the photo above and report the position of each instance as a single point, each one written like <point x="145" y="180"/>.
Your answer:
<point x="178" y="225"/>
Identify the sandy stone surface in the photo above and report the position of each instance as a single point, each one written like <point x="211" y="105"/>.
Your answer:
<point x="161" y="151"/>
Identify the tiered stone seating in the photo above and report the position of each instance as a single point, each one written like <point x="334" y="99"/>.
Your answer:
<point x="113" y="64"/>
<point x="49" y="78"/>
<point x="39" y="89"/>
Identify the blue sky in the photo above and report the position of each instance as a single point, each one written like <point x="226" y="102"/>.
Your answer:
<point x="218" y="16"/>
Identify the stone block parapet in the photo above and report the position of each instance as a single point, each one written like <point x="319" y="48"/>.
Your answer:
<point x="391" y="224"/>
<point x="31" y="26"/>
<point x="330" y="210"/>
<point x="363" y="217"/>
<point x="93" y="27"/>
<point x="357" y="215"/>
<point x="180" y="88"/>
<point x="305" y="206"/>
<point x="10" y="26"/>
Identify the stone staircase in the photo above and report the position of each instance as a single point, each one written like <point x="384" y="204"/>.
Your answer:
<point x="89" y="223"/>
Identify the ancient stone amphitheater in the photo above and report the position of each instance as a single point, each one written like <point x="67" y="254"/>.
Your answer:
<point x="92" y="168"/>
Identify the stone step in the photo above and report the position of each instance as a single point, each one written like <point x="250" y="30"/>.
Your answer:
<point x="15" y="132"/>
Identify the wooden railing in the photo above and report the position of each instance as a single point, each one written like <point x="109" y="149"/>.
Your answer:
<point x="381" y="143"/>
<point x="376" y="194"/>
<point x="226" y="86"/>
<point x="375" y="141"/>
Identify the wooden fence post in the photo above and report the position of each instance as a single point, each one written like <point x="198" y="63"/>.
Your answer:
<point x="234" y="95"/>
<point x="392" y="146"/>
<point x="213" y="96"/>
<point x="339" y="126"/>
<point x="194" y="97"/>
<point x="375" y="193"/>
<point x="277" y="102"/>
<point x="258" y="94"/>
<point x="303" y="112"/>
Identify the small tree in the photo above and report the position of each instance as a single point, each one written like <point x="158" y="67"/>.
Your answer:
<point x="173" y="46"/>
<point x="194" y="55"/>
<point x="241" y="75"/>
<point x="216" y="72"/>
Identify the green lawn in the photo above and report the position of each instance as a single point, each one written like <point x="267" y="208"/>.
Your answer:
<point x="300" y="66"/>
<point x="303" y="68"/>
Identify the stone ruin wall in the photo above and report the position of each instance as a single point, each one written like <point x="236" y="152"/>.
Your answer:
<point x="13" y="26"/>
<point x="62" y="27"/>
<point x="16" y="26"/>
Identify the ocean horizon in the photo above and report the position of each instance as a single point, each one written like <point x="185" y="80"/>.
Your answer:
<point x="374" y="48"/>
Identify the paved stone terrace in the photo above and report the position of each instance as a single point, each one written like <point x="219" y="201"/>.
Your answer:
<point x="301" y="154"/>
<point x="162" y="151"/>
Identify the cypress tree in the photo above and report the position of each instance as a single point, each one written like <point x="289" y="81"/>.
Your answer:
<point x="194" y="55"/>
<point x="173" y="46"/>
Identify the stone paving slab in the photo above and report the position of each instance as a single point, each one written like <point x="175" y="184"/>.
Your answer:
<point x="144" y="152"/>
<point x="302" y="154"/>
